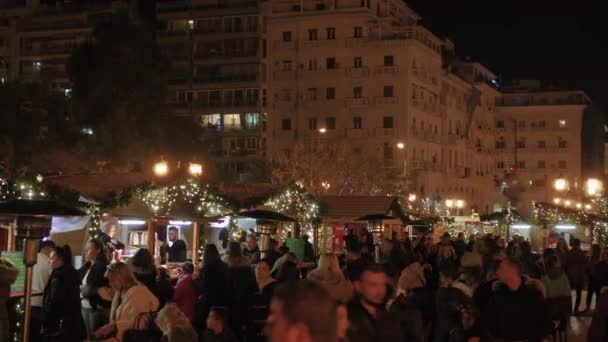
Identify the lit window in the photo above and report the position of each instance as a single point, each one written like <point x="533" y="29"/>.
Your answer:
<point x="562" y="123"/>
<point x="67" y="92"/>
<point x="191" y="24"/>
<point x="232" y="120"/>
<point x="37" y="66"/>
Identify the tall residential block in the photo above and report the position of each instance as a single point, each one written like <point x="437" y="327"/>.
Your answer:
<point x="373" y="77"/>
<point x="217" y="61"/>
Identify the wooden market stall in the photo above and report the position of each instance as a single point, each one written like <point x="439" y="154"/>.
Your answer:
<point x="342" y="213"/>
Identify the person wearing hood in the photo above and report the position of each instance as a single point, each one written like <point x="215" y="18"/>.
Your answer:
<point x="329" y="275"/>
<point x="414" y="303"/>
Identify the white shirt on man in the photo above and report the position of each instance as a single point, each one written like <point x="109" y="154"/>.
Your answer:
<point x="41" y="274"/>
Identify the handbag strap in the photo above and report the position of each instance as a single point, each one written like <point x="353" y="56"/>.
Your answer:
<point x="138" y="319"/>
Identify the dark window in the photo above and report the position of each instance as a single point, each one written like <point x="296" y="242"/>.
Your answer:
<point x="357" y="122"/>
<point x="562" y="164"/>
<point x="330" y="63"/>
<point x="561" y="143"/>
<point x="357" y="62"/>
<point x="500" y="164"/>
<point x="330" y="122"/>
<point x="330" y="93"/>
<point x="388" y="91"/>
<point x="500" y="144"/>
<point x="541" y="164"/>
<point x="358" y="32"/>
<point x="357" y="92"/>
<point x="331" y="33"/>
<point x="521" y="164"/>
<point x="312" y="34"/>
<point x="388" y="61"/>
<point x="312" y="124"/>
<point x="387" y="122"/>
<point x="286" y="36"/>
<point x="541" y="144"/>
<point x="500" y="124"/>
<point x="286" y="124"/>
<point x="521" y="144"/>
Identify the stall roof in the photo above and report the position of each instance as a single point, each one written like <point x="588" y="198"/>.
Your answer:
<point x="353" y="207"/>
<point x="97" y="185"/>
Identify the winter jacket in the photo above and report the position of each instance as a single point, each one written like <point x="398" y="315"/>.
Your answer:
<point x="598" y="331"/>
<point x="410" y="318"/>
<point x="61" y="304"/>
<point x="449" y="302"/>
<point x="518" y="315"/>
<point x="556" y="283"/>
<point x="128" y="304"/>
<point x="364" y="328"/>
<point x="575" y="266"/>
<point x="186" y="295"/>
<point x="339" y="289"/>
<point x="94" y="281"/>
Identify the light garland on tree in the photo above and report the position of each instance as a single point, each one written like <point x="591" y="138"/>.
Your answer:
<point x="296" y="202"/>
<point x="549" y="214"/>
<point x="21" y="190"/>
<point x="162" y="201"/>
<point x="94" y="221"/>
<point x="19" y="312"/>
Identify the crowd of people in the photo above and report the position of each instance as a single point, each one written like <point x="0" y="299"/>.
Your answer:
<point x="480" y="288"/>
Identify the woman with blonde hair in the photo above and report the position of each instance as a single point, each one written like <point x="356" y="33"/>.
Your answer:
<point x="131" y="299"/>
<point x="175" y="325"/>
<point x="329" y="275"/>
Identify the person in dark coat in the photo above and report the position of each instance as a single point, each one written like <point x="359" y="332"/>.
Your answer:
<point x="61" y="301"/>
<point x="164" y="288"/>
<point x="142" y="266"/>
<point x="241" y="288"/>
<point x="252" y="251"/>
<point x="598" y="331"/>
<point x="595" y="277"/>
<point x="517" y="310"/>
<point x="367" y="312"/>
<point x="178" y="249"/>
<point x="575" y="267"/>
<point x="449" y="302"/>
<point x="95" y="310"/>
<point x="212" y="283"/>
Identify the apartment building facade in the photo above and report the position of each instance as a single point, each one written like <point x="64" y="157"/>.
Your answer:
<point x="218" y="76"/>
<point x="369" y="74"/>
<point x="37" y="38"/>
<point x="538" y="140"/>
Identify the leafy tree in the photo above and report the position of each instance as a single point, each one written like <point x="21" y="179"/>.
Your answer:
<point x="333" y="169"/>
<point x="119" y="92"/>
<point x="35" y="122"/>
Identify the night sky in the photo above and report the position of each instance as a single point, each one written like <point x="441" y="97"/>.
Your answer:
<point x="562" y="43"/>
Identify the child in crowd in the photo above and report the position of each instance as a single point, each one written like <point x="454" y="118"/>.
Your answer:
<point x="217" y="329"/>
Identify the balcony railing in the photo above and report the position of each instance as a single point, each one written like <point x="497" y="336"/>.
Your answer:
<point x="357" y="72"/>
<point x="219" y="53"/>
<point x="356" y="102"/>
<point x="386" y="70"/>
<point x="381" y="100"/>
